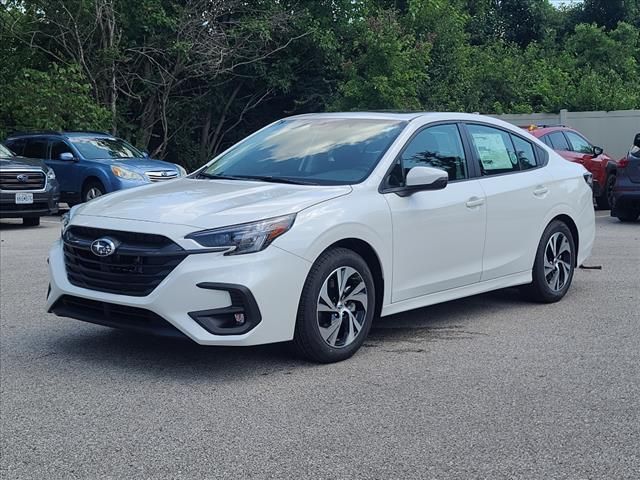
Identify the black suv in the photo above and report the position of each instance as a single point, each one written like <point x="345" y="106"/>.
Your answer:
<point x="28" y="188"/>
<point x="626" y="192"/>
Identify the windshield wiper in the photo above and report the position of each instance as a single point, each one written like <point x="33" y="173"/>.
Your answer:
<point x="272" y="179"/>
<point x="259" y="178"/>
<point x="218" y="177"/>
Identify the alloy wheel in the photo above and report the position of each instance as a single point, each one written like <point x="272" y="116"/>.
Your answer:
<point x="93" y="192"/>
<point x="557" y="261"/>
<point x="342" y="307"/>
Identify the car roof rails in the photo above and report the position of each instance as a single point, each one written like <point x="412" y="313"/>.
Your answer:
<point x="95" y="132"/>
<point x="33" y="132"/>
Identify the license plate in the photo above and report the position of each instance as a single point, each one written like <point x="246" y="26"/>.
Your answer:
<point x="24" y="198"/>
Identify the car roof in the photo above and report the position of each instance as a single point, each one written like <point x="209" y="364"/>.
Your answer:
<point x="541" y="130"/>
<point x="403" y="116"/>
<point x="53" y="133"/>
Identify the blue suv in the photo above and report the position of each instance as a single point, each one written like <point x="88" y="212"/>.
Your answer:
<point x="90" y="164"/>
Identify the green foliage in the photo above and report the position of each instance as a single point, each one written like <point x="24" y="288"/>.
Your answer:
<point x="385" y="66"/>
<point x="187" y="79"/>
<point x="58" y="99"/>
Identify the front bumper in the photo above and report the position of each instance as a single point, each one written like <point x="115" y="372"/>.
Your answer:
<point x="273" y="278"/>
<point x="44" y="203"/>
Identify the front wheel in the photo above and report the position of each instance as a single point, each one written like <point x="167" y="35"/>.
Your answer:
<point x="554" y="264"/>
<point x="92" y="190"/>
<point x="336" y="307"/>
<point x="31" y="221"/>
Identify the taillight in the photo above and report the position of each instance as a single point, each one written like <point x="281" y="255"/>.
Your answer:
<point x="623" y="162"/>
<point x="589" y="179"/>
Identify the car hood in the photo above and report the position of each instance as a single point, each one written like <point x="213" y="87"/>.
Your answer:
<point x="17" y="163"/>
<point x="141" y="164"/>
<point x="209" y="203"/>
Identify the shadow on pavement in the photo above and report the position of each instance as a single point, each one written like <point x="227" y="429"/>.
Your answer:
<point x="184" y="359"/>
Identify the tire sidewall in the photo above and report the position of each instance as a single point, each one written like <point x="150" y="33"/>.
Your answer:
<point x="307" y="324"/>
<point x="538" y="270"/>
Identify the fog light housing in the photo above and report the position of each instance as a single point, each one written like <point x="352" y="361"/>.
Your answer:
<point x="236" y="319"/>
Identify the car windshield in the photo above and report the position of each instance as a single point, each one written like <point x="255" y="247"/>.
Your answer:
<point x="5" y="152"/>
<point x="94" y="148"/>
<point x="309" y="151"/>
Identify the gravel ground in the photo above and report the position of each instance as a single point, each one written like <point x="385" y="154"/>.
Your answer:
<point x="485" y="387"/>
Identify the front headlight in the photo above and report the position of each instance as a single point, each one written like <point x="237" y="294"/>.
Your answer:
<point x="183" y="172"/>
<point x="64" y="222"/>
<point x="51" y="175"/>
<point x="244" y="238"/>
<point x="126" y="174"/>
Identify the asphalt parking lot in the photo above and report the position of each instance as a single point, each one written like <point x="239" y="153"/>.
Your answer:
<point x="485" y="387"/>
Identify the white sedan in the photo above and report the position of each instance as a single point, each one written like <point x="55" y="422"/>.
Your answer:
<point x="313" y="226"/>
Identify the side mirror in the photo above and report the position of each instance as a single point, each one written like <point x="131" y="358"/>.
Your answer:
<point x="597" y="151"/>
<point x="636" y="140"/>
<point x="424" y="178"/>
<point x="67" y="157"/>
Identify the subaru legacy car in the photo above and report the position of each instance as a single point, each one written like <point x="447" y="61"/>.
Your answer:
<point x="90" y="164"/>
<point x="28" y="188"/>
<point x="311" y="227"/>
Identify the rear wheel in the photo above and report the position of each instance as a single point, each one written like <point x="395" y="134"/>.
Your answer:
<point x="31" y="221"/>
<point x="605" y="200"/>
<point x="554" y="264"/>
<point x="336" y="307"/>
<point x="92" y="190"/>
<point x="627" y="215"/>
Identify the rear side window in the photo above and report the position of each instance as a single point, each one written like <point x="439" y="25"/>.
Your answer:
<point x="36" y="148"/>
<point x="495" y="150"/>
<point x="524" y="152"/>
<point x="578" y="143"/>
<point x="547" y="141"/>
<point x="558" y="141"/>
<point x="16" y="146"/>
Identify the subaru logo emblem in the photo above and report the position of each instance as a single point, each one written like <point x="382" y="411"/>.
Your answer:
<point x="23" y="178"/>
<point x="103" y="247"/>
<point x="165" y="173"/>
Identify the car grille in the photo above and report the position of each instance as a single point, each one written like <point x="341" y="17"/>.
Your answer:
<point x="141" y="261"/>
<point x="162" y="175"/>
<point x="26" y="180"/>
<point x="114" y="315"/>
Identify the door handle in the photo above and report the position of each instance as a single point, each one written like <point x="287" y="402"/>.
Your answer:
<point x="475" y="202"/>
<point x="540" y="191"/>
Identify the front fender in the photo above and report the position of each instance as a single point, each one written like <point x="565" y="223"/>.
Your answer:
<point x="349" y="217"/>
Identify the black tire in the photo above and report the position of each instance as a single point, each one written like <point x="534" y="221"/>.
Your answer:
<point x="88" y="190"/>
<point x="627" y="215"/>
<point x="31" y="221"/>
<point x="605" y="200"/>
<point x="540" y="290"/>
<point x="308" y="341"/>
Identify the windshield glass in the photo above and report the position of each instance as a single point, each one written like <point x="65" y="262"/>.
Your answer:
<point x="5" y="152"/>
<point x="94" y="148"/>
<point x="310" y="151"/>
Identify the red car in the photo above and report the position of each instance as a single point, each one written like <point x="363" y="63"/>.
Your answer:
<point x="573" y="146"/>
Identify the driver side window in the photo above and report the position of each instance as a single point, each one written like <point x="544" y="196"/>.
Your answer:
<point x="58" y="147"/>
<point x="439" y="146"/>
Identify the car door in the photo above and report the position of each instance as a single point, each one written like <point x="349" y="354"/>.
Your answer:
<point x="517" y="187"/>
<point x="67" y="171"/>
<point x="438" y="236"/>
<point x="583" y="152"/>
